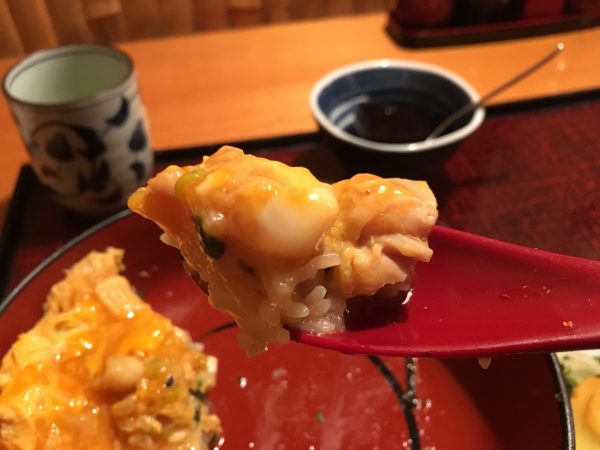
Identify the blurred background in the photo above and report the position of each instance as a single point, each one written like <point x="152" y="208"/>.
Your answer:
<point x="28" y="25"/>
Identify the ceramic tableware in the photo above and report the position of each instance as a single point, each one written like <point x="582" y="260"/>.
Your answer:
<point x="82" y="120"/>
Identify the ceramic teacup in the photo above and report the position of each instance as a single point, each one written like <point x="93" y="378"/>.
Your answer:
<point x="82" y="120"/>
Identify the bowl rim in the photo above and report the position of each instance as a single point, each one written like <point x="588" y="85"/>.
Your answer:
<point x="412" y="147"/>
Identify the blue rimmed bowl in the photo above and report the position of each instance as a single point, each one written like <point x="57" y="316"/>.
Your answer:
<point x="338" y="103"/>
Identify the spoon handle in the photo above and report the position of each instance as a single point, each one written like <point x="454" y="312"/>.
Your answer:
<point x="483" y="100"/>
<point x="481" y="297"/>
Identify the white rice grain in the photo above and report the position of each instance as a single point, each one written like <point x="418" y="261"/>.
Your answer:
<point x="316" y="295"/>
<point x="296" y="310"/>
<point x="320" y="308"/>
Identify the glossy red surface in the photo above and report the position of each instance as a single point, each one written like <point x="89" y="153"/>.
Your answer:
<point x="299" y="397"/>
<point x="517" y="179"/>
<point x="481" y="297"/>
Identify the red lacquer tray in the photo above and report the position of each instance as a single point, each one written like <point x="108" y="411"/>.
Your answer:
<point x="529" y="175"/>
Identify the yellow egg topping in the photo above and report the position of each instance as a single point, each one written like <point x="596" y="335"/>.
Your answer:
<point x="585" y="401"/>
<point x="102" y="370"/>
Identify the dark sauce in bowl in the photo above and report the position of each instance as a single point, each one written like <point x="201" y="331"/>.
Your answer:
<point x="396" y="121"/>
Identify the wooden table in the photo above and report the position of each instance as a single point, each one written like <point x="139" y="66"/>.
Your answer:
<point x="233" y="85"/>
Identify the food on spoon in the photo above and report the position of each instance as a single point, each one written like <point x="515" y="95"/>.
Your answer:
<point x="102" y="370"/>
<point x="278" y="247"/>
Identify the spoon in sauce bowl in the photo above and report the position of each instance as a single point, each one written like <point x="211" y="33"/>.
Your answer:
<point x="470" y="107"/>
<point x="479" y="297"/>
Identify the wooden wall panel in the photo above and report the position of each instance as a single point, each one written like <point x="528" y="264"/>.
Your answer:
<point x="177" y="16"/>
<point x="210" y="14"/>
<point x="307" y="9"/>
<point x="244" y="13"/>
<point x="101" y="9"/>
<point x="142" y="18"/>
<point x="369" y="5"/>
<point x="250" y="4"/>
<point x="339" y="7"/>
<point x="105" y="19"/>
<point x="33" y="24"/>
<point x="27" y="25"/>
<point x="109" y="29"/>
<point x="10" y="42"/>
<point x="69" y="21"/>
<point x="277" y="10"/>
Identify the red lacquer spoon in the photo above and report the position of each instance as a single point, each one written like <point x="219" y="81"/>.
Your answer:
<point x="482" y="297"/>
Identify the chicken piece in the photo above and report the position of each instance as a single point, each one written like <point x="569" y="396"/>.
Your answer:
<point x="380" y="233"/>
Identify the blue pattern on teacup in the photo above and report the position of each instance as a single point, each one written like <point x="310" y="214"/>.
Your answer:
<point x="78" y="162"/>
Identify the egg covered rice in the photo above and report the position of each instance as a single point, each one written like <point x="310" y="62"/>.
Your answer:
<point x="102" y="370"/>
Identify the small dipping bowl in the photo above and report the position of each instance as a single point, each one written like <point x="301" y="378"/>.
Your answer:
<point x="377" y="115"/>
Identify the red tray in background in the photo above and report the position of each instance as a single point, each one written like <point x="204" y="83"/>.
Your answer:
<point x="530" y="175"/>
<point x="497" y="31"/>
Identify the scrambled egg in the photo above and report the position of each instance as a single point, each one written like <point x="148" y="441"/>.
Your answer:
<point x="585" y="401"/>
<point x="581" y="371"/>
<point x="102" y="370"/>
